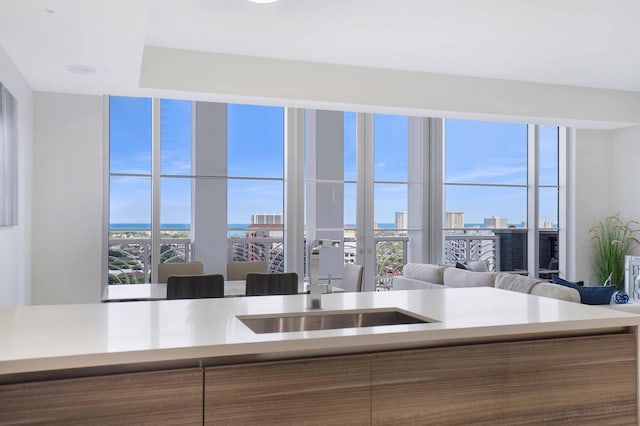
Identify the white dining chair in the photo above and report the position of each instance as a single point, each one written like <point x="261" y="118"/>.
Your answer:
<point x="165" y="270"/>
<point x="352" y="277"/>
<point x="238" y="270"/>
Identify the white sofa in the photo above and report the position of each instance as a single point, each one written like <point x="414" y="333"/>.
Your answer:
<point x="421" y="276"/>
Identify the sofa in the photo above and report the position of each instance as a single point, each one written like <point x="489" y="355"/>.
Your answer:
<point x="427" y="276"/>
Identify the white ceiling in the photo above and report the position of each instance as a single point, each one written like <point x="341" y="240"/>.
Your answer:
<point x="592" y="43"/>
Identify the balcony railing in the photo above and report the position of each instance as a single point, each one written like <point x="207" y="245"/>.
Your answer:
<point x="129" y="258"/>
<point x="269" y="249"/>
<point x="485" y="248"/>
<point x="391" y="255"/>
<point x="504" y="250"/>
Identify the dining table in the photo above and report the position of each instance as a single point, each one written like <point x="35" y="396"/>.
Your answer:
<point x="158" y="291"/>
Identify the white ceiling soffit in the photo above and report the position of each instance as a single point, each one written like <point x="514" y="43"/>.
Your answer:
<point x="591" y="43"/>
<point x="362" y="89"/>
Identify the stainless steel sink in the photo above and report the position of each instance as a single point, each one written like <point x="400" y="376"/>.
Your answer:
<point x="309" y="321"/>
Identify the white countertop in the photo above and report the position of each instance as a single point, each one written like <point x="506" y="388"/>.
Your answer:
<point x="39" y="338"/>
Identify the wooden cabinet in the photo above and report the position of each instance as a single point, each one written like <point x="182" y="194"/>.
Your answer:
<point x="172" y="397"/>
<point x="457" y="385"/>
<point x="582" y="381"/>
<point x="332" y="390"/>
<point x="579" y="380"/>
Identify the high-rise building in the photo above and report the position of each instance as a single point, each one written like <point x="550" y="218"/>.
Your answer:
<point x="266" y="219"/>
<point x="402" y="220"/>
<point x="495" y="222"/>
<point x="454" y="220"/>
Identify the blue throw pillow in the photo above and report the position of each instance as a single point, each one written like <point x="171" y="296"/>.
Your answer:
<point x="597" y="295"/>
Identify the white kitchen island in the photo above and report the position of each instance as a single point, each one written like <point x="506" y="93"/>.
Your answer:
<point x="487" y="356"/>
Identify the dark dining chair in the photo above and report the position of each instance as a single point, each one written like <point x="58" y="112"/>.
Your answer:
<point x="270" y="284"/>
<point x="195" y="286"/>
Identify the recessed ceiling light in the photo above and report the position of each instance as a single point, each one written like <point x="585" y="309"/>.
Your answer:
<point x="263" y="1"/>
<point x="81" y="69"/>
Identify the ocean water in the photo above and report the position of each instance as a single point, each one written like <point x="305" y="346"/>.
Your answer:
<point x="144" y="226"/>
<point x="238" y="227"/>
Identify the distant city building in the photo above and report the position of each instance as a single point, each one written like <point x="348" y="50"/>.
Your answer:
<point x="454" y="220"/>
<point x="270" y="230"/>
<point x="402" y="220"/>
<point x="265" y="225"/>
<point x="495" y="222"/>
<point x="266" y="219"/>
<point x="268" y="226"/>
<point x="542" y="224"/>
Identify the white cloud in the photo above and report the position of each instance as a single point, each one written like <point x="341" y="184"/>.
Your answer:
<point x="487" y="174"/>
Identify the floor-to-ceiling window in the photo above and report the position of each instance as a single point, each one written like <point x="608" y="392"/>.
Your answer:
<point x="255" y="184"/>
<point x="350" y="179"/>
<point x="205" y="181"/>
<point x="390" y="198"/>
<point x="141" y="159"/>
<point x="487" y="191"/>
<point x="130" y="144"/>
<point x="548" y="201"/>
<point x="192" y="181"/>
<point x="356" y="190"/>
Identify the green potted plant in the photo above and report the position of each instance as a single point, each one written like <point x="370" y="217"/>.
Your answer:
<point x="613" y="239"/>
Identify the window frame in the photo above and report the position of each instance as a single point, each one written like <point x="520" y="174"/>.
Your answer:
<point x="532" y="187"/>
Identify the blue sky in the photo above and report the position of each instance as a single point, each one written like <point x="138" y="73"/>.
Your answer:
<point x="477" y="152"/>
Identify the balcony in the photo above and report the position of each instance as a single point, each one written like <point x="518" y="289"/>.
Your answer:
<point x="501" y="249"/>
<point x="130" y="258"/>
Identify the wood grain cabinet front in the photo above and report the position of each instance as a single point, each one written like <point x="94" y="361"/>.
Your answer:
<point x="318" y="391"/>
<point x="581" y="381"/>
<point x="440" y="386"/>
<point x="589" y="380"/>
<point x="172" y="397"/>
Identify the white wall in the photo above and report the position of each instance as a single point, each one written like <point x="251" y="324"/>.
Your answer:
<point x="594" y="178"/>
<point x="68" y="201"/>
<point x="625" y="168"/>
<point x="15" y="240"/>
<point x="607" y="167"/>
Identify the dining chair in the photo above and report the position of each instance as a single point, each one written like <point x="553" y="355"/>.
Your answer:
<point x="352" y="277"/>
<point x="270" y="284"/>
<point x="195" y="286"/>
<point x="178" y="268"/>
<point x="238" y="270"/>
